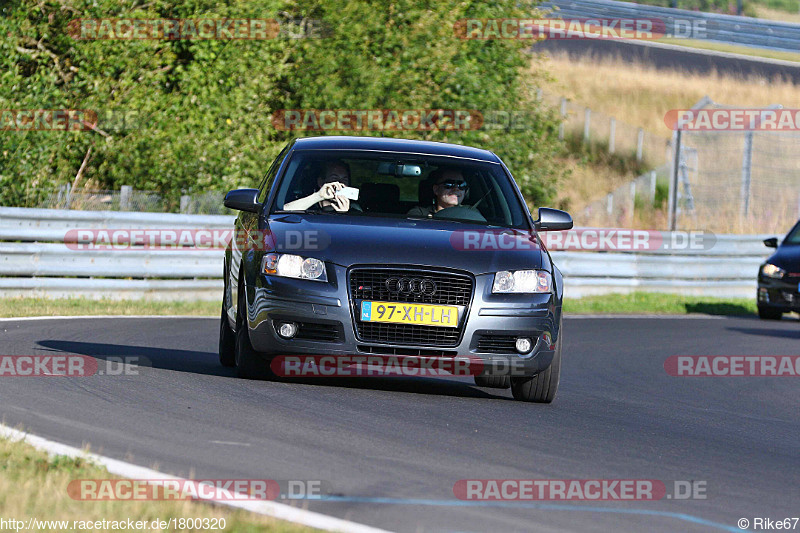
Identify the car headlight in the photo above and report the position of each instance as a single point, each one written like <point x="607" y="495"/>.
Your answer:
<point x="294" y="266"/>
<point x="529" y="281"/>
<point x="771" y="271"/>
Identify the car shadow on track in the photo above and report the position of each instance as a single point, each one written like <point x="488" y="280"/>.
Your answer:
<point x="768" y="332"/>
<point x="194" y="361"/>
<point x="207" y="363"/>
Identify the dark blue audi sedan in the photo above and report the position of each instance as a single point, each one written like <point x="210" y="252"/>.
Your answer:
<point x="377" y="246"/>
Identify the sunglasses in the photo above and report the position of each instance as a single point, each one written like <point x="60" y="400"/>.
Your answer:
<point x="460" y="185"/>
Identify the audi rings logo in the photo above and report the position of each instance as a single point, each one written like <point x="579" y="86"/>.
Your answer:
<point x="411" y="286"/>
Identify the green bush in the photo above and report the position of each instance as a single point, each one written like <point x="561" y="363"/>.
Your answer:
<point x="203" y="108"/>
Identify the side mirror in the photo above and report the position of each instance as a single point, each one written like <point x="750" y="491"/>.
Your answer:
<point x="243" y="200"/>
<point x="772" y="242"/>
<point x="552" y="220"/>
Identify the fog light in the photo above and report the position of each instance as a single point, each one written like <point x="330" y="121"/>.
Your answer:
<point x="763" y="295"/>
<point x="523" y="345"/>
<point x="287" y="330"/>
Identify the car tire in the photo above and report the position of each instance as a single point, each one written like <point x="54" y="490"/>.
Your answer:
<point x="542" y="387"/>
<point x="493" y="382"/>
<point x="250" y="364"/>
<point x="768" y="313"/>
<point x="227" y="340"/>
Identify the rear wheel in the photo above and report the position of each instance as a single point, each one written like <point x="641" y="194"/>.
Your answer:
<point x="542" y="387"/>
<point x="769" y="313"/>
<point x="493" y="382"/>
<point x="250" y="364"/>
<point x="227" y="340"/>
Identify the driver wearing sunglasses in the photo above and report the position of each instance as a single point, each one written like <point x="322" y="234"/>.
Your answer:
<point x="449" y="189"/>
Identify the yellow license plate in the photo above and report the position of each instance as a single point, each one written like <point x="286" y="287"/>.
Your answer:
<point x="403" y="313"/>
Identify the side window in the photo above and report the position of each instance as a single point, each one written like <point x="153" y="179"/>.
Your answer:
<point x="266" y="185"/>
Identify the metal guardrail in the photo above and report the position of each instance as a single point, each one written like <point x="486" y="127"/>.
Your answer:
<point x="35" y="261"/>
<point x="731" y="29"/>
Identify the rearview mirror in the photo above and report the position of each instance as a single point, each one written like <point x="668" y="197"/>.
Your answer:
<point x="243" y="200"/>
<point x="553" y="220"/>
<point x="772" y="242"/>
<point x="399" y="169"/>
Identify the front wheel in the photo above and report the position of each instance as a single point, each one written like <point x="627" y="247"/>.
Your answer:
<point x="542" y="387"/>
<point x="227" y="340"/>
<point x="769" y="313"/>
<point x="493" y="382"/>
<point x="250" y="364"/>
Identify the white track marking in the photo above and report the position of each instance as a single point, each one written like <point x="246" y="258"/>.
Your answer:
<point x="121" y="468"/>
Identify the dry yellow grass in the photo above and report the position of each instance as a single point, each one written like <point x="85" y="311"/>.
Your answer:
<point x="764" y="12"/>
<point x="640" y="95"/>
<point x="588" y="182"/>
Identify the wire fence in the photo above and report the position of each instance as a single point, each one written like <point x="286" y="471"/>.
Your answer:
<point x="738" y="182"/>
<point x="128" y="199"/>
<point x="615" y="136"/>
<point x="633" y="204"/>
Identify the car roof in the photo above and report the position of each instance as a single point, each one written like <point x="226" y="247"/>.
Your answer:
<point x="388" y="144"/>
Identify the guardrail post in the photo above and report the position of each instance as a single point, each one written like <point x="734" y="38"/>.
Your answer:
<point x="633" y="199"/>
<point x="612" y="131"/>
<point x="610" y="203"/>
<point x="653" y="187"/>
<point x="563" y="119"/>
<point x="587" y="120"/>
<point x="185" y="203"/>
<point x="639" y="144"/>
<point x="747" y="162"/>
<point x="125" y="197"/>
<point x="673" y="180"/>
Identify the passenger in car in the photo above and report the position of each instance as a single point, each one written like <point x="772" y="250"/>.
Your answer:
<point x="449" y="189"/>
<point x="336" y="176"/>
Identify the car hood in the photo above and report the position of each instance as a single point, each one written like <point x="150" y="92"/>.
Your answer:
<point x="350" y="240"/>
<point x="787" y="257"/>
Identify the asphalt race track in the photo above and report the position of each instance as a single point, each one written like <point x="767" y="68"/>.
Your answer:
<point x="673" y="58"/>
<point x="391" y="449"/>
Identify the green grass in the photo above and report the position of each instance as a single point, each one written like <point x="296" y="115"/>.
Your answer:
<point x="14" y="307"/>
<point x="732" y="48"/>
<point x="34" y="485"/>
<point x="657" y="303"/>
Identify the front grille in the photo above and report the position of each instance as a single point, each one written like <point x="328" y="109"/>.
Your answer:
<point x="422" y="352"/>
<point x="317" y="332"/>
<point x="497" y="344"/>
<point x="370" y="284"/>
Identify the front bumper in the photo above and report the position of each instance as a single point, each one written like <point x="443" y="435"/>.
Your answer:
<point x="783" y="294"/>
<point x="326" y="321"/>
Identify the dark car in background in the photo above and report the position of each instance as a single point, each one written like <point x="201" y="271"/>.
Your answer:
<point x="779" y="277"/>
<point x="468" y="280"/>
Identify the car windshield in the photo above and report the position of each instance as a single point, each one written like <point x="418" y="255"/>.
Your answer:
<point x="399" y="185"/>
<point x="794" y="235"/>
